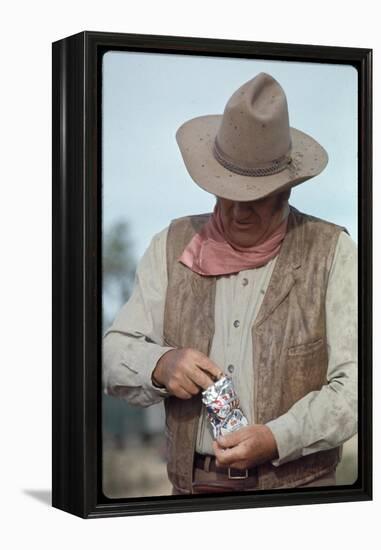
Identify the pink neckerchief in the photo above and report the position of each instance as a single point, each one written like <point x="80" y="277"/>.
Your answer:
<point x="208" y="252"/>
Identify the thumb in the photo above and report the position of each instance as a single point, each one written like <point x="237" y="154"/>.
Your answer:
<point x="230" y="440"/>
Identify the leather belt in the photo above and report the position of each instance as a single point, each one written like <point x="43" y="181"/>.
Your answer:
<point x="208" y="463"/>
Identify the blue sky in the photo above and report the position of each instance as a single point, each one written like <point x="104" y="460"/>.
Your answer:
<point x="146" y="97"/>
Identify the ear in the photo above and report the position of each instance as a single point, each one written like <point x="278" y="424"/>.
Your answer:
<point x="285" y="195"/>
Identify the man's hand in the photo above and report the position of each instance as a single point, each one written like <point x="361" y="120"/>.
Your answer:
<point x="246" y="447"/>
<point x="185" y="372"/>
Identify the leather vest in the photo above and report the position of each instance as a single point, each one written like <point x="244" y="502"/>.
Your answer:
<point x="290" y="355"/>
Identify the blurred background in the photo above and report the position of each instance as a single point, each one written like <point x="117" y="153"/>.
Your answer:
<point x="146" y="97"/>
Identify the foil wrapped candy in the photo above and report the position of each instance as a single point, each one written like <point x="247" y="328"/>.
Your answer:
<point x="222" y="406"/>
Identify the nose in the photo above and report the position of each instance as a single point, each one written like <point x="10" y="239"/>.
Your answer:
<point x="243" y="209"/>
<point x="242" y="206"/>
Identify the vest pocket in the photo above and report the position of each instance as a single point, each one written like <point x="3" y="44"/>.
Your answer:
<point x="303" y="349"/>
<point x="306" y="370"/>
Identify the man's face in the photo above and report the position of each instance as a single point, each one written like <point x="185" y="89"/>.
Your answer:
<point x="251" y="223"/>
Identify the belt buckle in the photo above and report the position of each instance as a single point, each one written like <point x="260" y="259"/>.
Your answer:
<point x="239" y="476"/>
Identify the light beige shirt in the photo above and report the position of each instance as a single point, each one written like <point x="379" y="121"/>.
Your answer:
<point x="134" y="344"/>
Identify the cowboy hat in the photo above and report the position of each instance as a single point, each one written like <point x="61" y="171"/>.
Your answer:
<point x="250" y="151"/>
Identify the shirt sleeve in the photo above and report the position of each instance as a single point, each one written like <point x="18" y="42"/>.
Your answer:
<point x="134" y="343"/>
<point x="325" y="419"/>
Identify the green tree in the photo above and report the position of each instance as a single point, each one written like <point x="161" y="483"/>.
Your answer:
<point x="120" y="420"/>
<point x="119" y="268"/>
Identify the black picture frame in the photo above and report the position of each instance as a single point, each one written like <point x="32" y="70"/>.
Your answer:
<point x="77" y="274"/>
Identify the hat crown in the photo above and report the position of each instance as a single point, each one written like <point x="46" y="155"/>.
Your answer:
<point x="255" y="131"/>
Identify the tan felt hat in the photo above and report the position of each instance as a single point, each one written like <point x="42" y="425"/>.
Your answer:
<point x="250" y="151"/>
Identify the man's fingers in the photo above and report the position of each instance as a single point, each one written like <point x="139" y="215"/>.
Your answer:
<point x="183" y="387"/>
<point x="189" y="386"/>
<point x="200" y="377"/>
<point x="232" y="439"/>
<point x="226" y="457"/>
<point x="227" y="460"/>
<point x="182" y="394"/>
<point x="206" y="364"/>
<point x="187" y="370"/>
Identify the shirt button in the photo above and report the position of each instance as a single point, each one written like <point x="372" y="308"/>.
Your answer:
<point x="245" y="282"/>
<point x="230" y="368"/>
<point x="236" y="323"/>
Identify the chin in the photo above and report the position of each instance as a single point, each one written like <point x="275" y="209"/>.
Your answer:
<point x="244" y="237"/>
<point x="243" y="242"/>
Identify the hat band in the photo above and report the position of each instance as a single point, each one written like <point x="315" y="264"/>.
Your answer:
<point x="273" y="167"/>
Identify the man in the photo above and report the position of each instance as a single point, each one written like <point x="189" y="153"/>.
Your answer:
<point x="256" y="290"/>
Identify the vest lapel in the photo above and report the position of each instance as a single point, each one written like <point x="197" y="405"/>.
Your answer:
<point x="204" y="291"/>
<point x="284" y="275"/>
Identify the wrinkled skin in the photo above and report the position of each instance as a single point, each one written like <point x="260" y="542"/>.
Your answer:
<point x="251" y="223"/>
<point x="185" y="372"/>
<point x="245" y="448"/>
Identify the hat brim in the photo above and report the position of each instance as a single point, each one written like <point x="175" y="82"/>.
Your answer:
<point x="196" y="140"/>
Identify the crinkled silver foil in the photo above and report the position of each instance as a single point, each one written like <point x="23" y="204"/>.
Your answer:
<point x="222" y="405"/>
